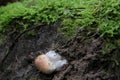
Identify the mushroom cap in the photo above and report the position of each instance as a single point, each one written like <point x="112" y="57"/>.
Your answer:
<point x="53" y="56"/>
<point x="44" y="64"/>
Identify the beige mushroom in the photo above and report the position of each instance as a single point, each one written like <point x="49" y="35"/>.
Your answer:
<point x="43" y="64"/>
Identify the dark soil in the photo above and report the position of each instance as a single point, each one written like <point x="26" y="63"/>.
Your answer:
<point x="83" y="53"/>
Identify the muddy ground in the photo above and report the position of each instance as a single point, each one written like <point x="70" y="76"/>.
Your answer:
<point x="83" y="52"/>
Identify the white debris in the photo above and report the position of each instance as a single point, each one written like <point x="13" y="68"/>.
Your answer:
<point x="56" y="59"/>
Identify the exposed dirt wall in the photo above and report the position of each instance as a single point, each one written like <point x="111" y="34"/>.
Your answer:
<point x="83" y="53"/>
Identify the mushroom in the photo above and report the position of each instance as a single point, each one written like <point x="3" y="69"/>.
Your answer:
<point x="49" y="62"/>
<point x="44" y="64"/>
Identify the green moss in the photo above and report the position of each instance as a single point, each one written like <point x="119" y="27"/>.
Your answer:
<point x="105" y="13"/>
<point x="111" y="52"/>
<point x="69" y="27"/>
